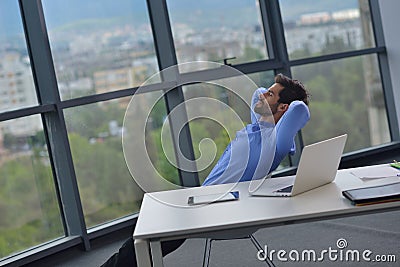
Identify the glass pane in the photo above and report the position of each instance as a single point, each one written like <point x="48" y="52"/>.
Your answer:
<point x="17" y="89"/>
<point x="147" y="142"/>
<point x="221" y="125"/>
<point x="158" y="142"/>
<point x="99" y="48"/>
<point x="106" y="186"/>
<point x="324" y="27"/>
<point x="29" y="208"/>
<point x="215" y="30"/>
<point x="346" y="97"/>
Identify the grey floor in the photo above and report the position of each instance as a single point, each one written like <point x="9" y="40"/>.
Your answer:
<point x="379" y="233"/>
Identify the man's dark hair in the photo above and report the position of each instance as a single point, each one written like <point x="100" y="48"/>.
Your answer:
<point x="293" y="90"/>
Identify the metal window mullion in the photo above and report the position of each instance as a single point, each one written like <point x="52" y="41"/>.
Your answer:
<point x="384" y="70"/>
<point x="276" y="33"/>
<point x="53" y="121"/>
<point x="166" y="56"/>
<point x="25" y="112"/>
<point x="337" y="56"/>
<point x="280" y="48"/>
<point x="267" y="28"/>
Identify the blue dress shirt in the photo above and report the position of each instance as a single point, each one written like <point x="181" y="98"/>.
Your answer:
<point x="259" y="147"/>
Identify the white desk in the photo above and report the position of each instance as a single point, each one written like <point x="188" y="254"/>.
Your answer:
<point x="159" y="222"/>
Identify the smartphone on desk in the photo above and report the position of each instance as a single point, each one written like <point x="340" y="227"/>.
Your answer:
<point x="213" y="198"/>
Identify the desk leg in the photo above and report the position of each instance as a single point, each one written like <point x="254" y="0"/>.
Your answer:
<point x="156" y="253"/>
<point x="142" y="253"/>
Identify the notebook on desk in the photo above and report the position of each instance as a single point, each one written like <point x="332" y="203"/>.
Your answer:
<point x="318" y="166"/>
<point x="374" y="194"/>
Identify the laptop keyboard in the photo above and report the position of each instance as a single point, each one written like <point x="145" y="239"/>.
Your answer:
<point x="286" y="189"/>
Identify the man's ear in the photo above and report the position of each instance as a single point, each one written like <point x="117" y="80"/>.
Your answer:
<point x="283" y="107"/>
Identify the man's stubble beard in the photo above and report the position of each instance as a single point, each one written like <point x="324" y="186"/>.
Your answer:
<point x="266" y="111"/>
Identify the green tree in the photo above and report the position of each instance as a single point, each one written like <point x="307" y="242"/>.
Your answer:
<point x="158" y="156"/>
<point x="29" y="210"/>
<point x="251" y="54"/>
<point x="107" y="189"/>
<point x="338" y="101"/>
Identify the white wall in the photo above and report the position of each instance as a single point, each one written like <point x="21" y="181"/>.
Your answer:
<point x="390" y="22"/>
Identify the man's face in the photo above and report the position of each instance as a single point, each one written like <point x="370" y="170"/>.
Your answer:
<point x="269" y="99"/>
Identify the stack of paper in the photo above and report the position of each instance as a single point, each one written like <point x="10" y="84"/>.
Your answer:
<point x="375" y="172"/>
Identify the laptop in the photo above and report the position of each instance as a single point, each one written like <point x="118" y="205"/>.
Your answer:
<point x="318" y="165"/>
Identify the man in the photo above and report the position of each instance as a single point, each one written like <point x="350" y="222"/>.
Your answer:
<point x="270" y="107"/>
<point x="266" y="145"/>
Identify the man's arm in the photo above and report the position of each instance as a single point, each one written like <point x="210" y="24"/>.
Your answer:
<point x="287" y="127"/>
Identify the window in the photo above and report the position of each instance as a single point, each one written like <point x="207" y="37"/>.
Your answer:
<point x="147" y="143"/>
<point x="321" y="28"/>
<point x="217" y="30"/>
<point x="106" y="187"/>
<point x="29" y="208"/>
<point x="347" y="97"/>
<point x="14" y="60"/>
<point x="92" y="43"/>
<point x="103" y="51"/>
